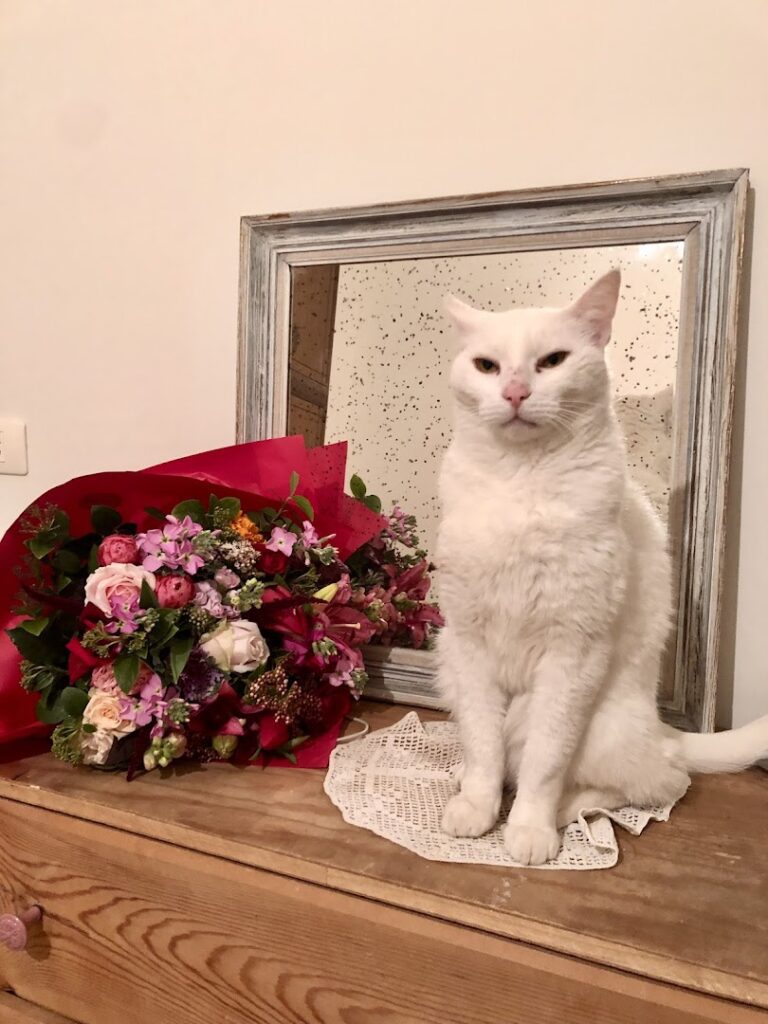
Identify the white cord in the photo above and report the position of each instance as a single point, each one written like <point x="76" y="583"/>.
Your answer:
<point x="355" y="735"/>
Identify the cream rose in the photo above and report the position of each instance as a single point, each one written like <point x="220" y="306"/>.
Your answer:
<point x="96" y="746"/>
<point x="104" y="711"/>
<point x="119" y="581"/>
<point x="236" y="646"/>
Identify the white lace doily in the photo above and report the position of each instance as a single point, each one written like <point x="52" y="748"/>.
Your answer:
<point x="395" y="783"/>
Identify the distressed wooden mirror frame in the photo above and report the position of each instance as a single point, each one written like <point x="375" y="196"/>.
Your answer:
<point x="706" y="211"/>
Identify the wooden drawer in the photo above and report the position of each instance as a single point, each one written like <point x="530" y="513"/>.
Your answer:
<point x="16" y="1011"/>
<point x="139" y="931"/>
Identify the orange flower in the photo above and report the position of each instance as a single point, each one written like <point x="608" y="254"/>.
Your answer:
<point x="247" y="529"/>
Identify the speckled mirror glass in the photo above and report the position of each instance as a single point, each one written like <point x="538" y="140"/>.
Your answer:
<point x="343" y="337"/>
<point x="371" y="349"/>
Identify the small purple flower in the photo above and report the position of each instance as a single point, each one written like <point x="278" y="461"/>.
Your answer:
<point x="150" y="703"/>
<point x="200" y="680"/>
<point x="227" y="579"/>
<point x="309" y="535"/>
<point x="125" y="610"/>
<point x="172" y="547"/>
<point x="281" y="540"/>
<point x="208" y="597"/>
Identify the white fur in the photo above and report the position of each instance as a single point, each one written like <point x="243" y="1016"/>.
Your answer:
<point x="555" y="582"/>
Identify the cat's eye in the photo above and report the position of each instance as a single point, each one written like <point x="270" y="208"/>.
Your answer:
<point x="553" y="359"/>
<point x="486" y="365"/>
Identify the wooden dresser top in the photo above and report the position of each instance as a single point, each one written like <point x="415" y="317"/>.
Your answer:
<point x="687" y="903"/>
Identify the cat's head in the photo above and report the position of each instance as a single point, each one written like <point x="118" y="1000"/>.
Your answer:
<point x="529" y="373"/>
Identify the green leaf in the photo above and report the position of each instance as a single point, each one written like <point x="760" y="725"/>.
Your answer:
<point x="93" y="558"/>
<point x="67" y="562"/>
<point x="147" y="597"/>
<point x="105" y="519"/>
<point x="156" y="513"/>
<point x="48" y="709"/>
<point x="126" y="669"/>
<point x="165" y="629"/>
<point x="62" y="583"/>
<point x="231" y="506"/>
<point x="289" y="756"/>
<point x="72" y="701"/>
<point x="181" y="647"/>
<point x="192" y="508"/>
<point x="305" y="505"/>
<point x="357" y="487"/>
<point x="35" y="626"/>
<point x="41" y="544"/>
<point x="372" y="503"/>
<point x="37" y="649"/>
<point x="60" y="523"/>
<point x="294" y="482"/>
<point x="89" y="728"/>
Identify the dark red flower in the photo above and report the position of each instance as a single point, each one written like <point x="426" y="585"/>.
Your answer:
<point x="272" y="734"/>
<point x="271" y="562"/>
<point x="220" y="715"/>
<point x="81" y="661"/>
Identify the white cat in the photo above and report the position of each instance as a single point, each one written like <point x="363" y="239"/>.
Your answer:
<point x="555" y="583"/>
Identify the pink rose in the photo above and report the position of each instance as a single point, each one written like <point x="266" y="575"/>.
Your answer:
<point x="116" y="584"/>
<point x="103" y="678"/>
<point x="118" y="548"/>
<point x="174" y="591"/>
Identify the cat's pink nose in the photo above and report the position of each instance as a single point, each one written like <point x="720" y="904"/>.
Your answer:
<point x="516" y="393"/>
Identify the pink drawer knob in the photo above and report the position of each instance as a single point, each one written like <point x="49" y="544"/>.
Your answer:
<point x="13" y="929"/>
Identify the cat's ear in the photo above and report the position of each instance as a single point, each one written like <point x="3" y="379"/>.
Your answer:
<point x="463" y="316"/>
<point x="597" y="306"/>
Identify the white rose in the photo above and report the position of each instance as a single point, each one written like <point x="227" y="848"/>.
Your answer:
<point x="96" y="746"/>
<point x="236" y="646"/>
<point x="118" y="580"/>
<point x="103" y="710"/>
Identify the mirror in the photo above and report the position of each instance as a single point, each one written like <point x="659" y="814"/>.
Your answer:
<point x="359" y="349"/>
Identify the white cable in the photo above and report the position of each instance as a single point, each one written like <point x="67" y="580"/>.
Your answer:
<point x="355" y="735"/>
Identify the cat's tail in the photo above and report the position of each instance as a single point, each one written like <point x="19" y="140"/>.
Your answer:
<point x="726" y="751"/>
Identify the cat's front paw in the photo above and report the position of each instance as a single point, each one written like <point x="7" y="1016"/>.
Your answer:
<point x="531" y="844"/>
<point x="463" y="817"/>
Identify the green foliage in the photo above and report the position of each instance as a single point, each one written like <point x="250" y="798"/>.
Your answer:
<point x="192" y="508"/>
<point x="69" y="702"/>
<point x="66" y="742"/>
<point x="126" y="668"/>
<point x="305" y="505"/>
<point x="181" y="647"/>
<point x="42" y="649"/>
<point x="105" y="519"/>
<point x="147" y="597"/>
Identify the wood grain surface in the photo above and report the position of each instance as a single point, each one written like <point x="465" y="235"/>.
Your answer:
<point x="18" y="1011"/>
<point x="137" y="931"/>
<point x="686" y="904"/>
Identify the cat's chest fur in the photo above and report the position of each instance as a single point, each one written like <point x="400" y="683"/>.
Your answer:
<point x="530" y="548"/>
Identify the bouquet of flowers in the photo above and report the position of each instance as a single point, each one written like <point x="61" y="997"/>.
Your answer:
<point x="229" y="625"/>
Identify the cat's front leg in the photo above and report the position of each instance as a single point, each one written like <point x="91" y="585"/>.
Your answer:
<point x="478" y="706"/>
<point x="565" y="683"/>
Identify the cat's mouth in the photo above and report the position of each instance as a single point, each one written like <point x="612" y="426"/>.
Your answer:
<point x="519" y="421"/>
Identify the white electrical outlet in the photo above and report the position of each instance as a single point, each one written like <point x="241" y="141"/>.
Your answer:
<point x="13" y="447"/>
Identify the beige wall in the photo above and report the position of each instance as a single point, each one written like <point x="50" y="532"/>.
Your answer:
<point x="134" y="135"/>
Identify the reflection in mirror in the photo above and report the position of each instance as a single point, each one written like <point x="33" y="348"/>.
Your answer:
<point x="371" y="348"/>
